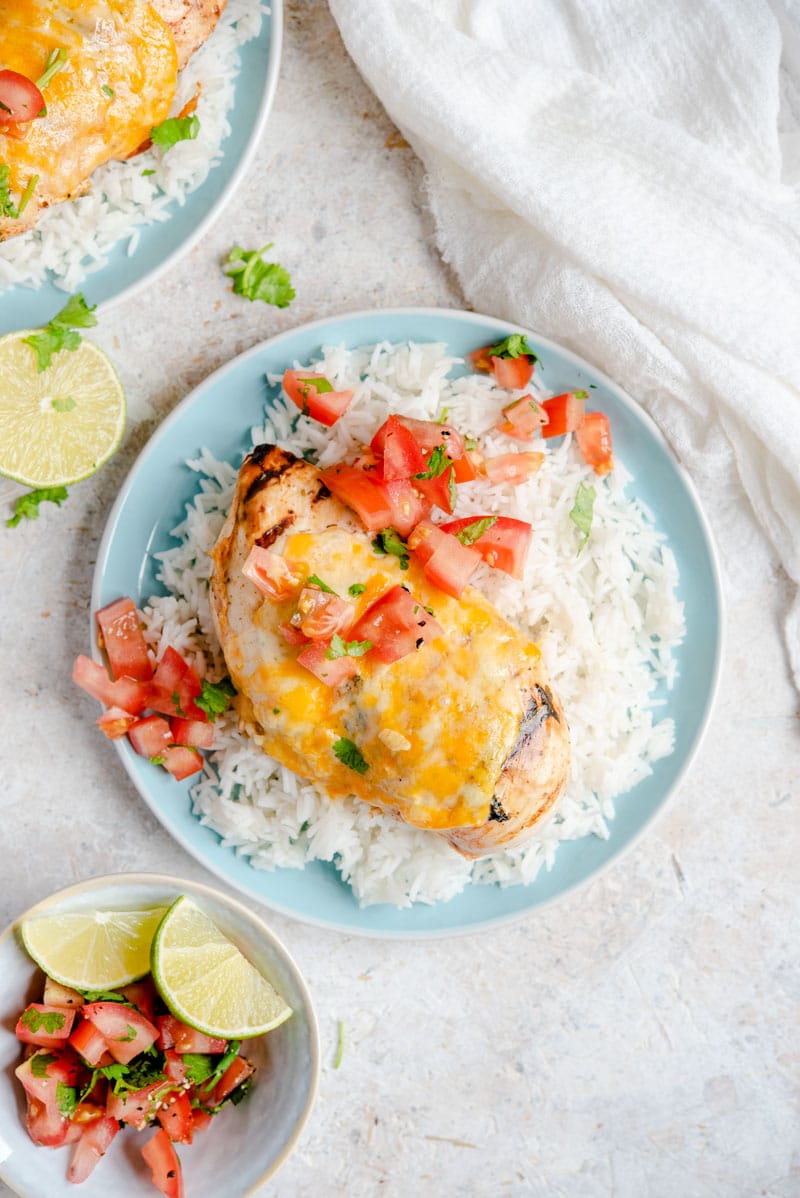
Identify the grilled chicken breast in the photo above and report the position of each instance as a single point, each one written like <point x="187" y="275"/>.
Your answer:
<point x="463" y="737"/>
<point x="117" y="83"/>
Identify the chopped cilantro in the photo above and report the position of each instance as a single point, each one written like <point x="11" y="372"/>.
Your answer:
<point x="146" y="173"/>
<point x="451" y="488"/>
<point x="131" y="1035"/>
<point x="51" y="1021"/>
<point x="470" y="443"/>
<point x="514" y="346"/>
<point x="388" y="541"/>
<point x="176" y="703"/>
<point x="66" y="1099"/>
<point x="56" y="60"/>
<point x="256" y="279"/>
<point x="356" y="588"/>
<point x="199" y="1067"/>
<point x="437" y="463"/>
<point x="350" y="755"/>
<point x="581" y="394"/>
<point x="27" y="506"/>
<point x="24" y="199"/>
<point x="159" y="759"/>
<point x="215" y="697"/>
<point x="276" y="711"/>
<point x="341" y="648"/>
<point x="60" y="333"/>
<point x="7" y="205"/>
<point x="39" y="1063"/>
<point x="471" y="532"/>
<point x="316" y="581"/>
<point x="175" y="129"/>
<point x="582" y="511"/>
<point x="108" y="91"/>
<point x="106" y="996"/>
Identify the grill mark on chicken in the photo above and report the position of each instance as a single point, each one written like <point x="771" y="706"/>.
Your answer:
<point x="271" y="535"/>
<point x="269" y="474"/>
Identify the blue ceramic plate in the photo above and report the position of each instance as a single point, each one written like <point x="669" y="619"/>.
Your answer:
<point x="218" y="415"/>
<point x="162" y="242"/>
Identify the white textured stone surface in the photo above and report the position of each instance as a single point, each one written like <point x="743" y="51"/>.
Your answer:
<point x="640" y="1038"/>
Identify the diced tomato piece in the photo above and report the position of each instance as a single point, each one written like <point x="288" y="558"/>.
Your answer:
<point x="20" y="99"/>
<point x="275" y="576"/>
<point x="45" y="1026"/>
<point x="115" y="722"/>
<point x="319" y="401"/>
<point x="200" y="1119"/>
<point x="467" y="468"/>
<point x="355" y="488"/>
<point x="594" y="442"/>
<point x="331" y="671"/>
<point x="143" y="996"/>
<point x="88" y="1041"/>
<point x="447" y="563"/>
<point x="429" y="434"/>
<point x="56" y="995"/>
<point x="439" y="491"/>
<point x="396" y="624"/>
<point x="125" y="1031"/>
<point x="481" y="359"/>
<point x="150" y="736"/>
<point x="514" y="468"/>
<point x="522" y="418"/>
<point x="123" y="641"/>
<point x="174" y="1066"/>
<point x="126" y="693"/>
<point x="398" y="450"/>
<point x="322" y="614"/>
<point x="197" y="733"/>
<point x="292" y="635"/>
<point x="176" y="1117"/>
<point x="45" y="1123"/>
<point x="565" y="413"/>
<point x="237" y="1072"/>
<point x="513" y="373"/>
<point x="60" y="1066"/>
<point x="504" y="545"/>
<point x="95" y="1140"/>
<point x="175" y="686"/>
<point x="408" y="504"/>
<point x="181" y="761"/>
<point x="174" y="1034"/>
<point x="160" y="1155"/>
<point x="138" y="1108"/>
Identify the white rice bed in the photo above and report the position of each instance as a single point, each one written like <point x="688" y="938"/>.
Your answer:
<point x="606" y="618"/>
<point x="72" y="240"/>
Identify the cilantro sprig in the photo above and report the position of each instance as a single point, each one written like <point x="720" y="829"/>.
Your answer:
<point x="215" y="697"/>
<point x="513" y="346"/>
<point x="256" y="279"/>
<point x="389" y="542"/>
<point x="175" y="129"/>
<point x="61" y="332"/>
<point x="350" y="755"/>
<point x="341" y="648"/>
<point x="51" y="1021"/>
<point x="27" y="505"/>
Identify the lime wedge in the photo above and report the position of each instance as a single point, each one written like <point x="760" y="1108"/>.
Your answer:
<point x="57" y="426"/>
<point x="92" y="950"/>
<point x="207" y="982"/>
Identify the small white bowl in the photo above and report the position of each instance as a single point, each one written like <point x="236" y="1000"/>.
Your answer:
<point x="245" y="1144"/>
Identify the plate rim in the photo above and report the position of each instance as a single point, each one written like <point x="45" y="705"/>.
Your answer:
<point x="470" y="317"/>
<point x="274" y="14"/>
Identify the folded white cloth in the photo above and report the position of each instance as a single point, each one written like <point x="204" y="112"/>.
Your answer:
<point x="623" y="177"/>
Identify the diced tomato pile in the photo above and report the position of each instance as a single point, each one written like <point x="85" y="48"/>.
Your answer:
<point x="165" y="710"/>
<point x="95" y="1064"/>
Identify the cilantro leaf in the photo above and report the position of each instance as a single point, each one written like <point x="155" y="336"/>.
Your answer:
<point x="256" y="279"/>
<point x="357" y="588"/>
<point x="106" y="996"/>
<point x="341" y="648"/>
<point x="39" y="1063"/>
<point x="582" y="511"/>
<point x="176" y="703"/>
<point x="215" y="697"/>
<point x="513" y="346"/>
<point x="51" y="1021"/>
<point x="316" y="581"/>
<point x="437" y="463"/>
<point x="350" y="755"/>
<point x="67" y="1099"/>
<point x="388" y="541"/>
<point x="471" y="532"/>
<point x="60" y="332"/>
<point x="27" y="506"/>
<point x="199" y="1067"/>
<point x="175" y="129"/>
<point x="131" y="1035"/>
<point x="108" y="91"/>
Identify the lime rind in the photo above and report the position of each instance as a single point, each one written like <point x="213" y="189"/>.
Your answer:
<point x="207" y="982"/>
<point x="60" y="425"/>
<point x="92" y="950"/>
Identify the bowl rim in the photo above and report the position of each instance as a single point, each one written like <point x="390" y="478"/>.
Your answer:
<point x="202" y="889"/>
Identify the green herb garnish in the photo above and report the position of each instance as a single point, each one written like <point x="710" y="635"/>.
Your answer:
<point x="388" y="541"/>
<point x="256" y="279"/>
<point x="215" y="697"/>
<point x="60" y="333"/>
<point x="129" y="1037"/>
<point x="39" y="1063"/>
<point x="175" y="129"/>
<point x="437" y="463"/>
<point x="27" y="506"/>
<point x="582" y="511"/>
<point x="51" y="1021"/>
<point x="350" y="755"/>
<point x="341" y="648"/>
<point x="514" y="346"/>
<point x="316" y="581"/>
<point x="108" y="91"/>
<point x="471" y="532"/>
<point x="356" y="588"/>
<point x="56" y="60"/>
<point x="66" y="1099"/>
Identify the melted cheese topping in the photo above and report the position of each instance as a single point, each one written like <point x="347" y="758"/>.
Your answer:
<point x="435" y="727"/>
<point x="118" y="82"/>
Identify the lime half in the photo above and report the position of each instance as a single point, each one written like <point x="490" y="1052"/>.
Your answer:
<point x="92" y="950"/>
<point x="57" y="426"/>
<point x="206" y="981"/>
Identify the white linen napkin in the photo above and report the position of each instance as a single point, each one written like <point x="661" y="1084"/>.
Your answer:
<point x="623" y="177"/>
